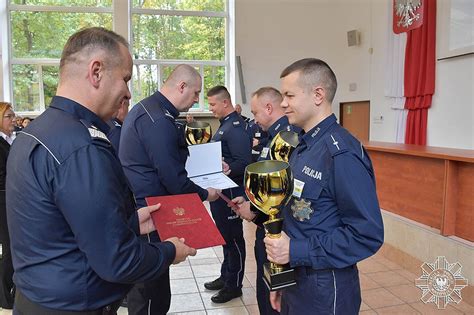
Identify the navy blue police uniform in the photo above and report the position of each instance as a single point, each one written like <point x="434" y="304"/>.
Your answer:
<point x="153" y="154"/>
<point x="333" y="221"/>
<point x="259" y="134"/>
<point x="236" y="151"/>
<point x="114" y="133"/>
<point x="72" y="218"/>
<point x="263" y="296"/>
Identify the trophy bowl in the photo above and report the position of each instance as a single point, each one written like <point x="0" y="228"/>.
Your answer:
<point x="269" y="185"/>
<point x="283" y="144"/>
<point x="197" y="132"/>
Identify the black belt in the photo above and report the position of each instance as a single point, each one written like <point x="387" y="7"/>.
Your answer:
<point x="23" y="306"/>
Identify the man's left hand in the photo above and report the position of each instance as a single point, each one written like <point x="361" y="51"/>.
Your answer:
<point x="144" y="218"/>
<point x="278" y="249"/>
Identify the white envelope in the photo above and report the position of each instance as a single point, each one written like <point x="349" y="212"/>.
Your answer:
<point x="204" y="166"/>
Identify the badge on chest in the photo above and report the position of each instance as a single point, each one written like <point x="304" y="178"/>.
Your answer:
<point x="301" y="209"/>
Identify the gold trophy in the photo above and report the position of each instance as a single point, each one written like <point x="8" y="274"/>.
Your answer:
<point x="269" y="185"/>
<point x="283" y="145"/>
<point x="197" y="132"/>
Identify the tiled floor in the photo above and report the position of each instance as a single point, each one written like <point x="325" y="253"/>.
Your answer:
<point x="386" y="287"/>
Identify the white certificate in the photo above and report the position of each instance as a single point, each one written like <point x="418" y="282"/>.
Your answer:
<point x="204" y="166"/>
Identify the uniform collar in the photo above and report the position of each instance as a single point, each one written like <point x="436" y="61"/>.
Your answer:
<point x="232" y="115"/>
<point x="79" y="111"/>
<point x="166" y="104"/>
<point x="318" y="131"/>
<point x="278" y="126"/>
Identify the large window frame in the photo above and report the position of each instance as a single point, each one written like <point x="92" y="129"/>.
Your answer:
<point x="121" y="11"/>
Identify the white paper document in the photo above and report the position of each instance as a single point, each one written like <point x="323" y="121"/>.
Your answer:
<point x="204" y="166"/>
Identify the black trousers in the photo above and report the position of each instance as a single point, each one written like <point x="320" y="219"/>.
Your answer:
<point x="23" y="306"/>
<point x="7" y="291"/>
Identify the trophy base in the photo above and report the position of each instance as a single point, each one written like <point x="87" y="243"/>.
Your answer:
<point x="276" y="280"/>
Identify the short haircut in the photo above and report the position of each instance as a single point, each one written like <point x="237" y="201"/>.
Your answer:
<point x="4" y="106"/>
<point x="270" y="92"/>
<point x="219" y="90"/>
<point x="314" y="72"/>
<point x="185" y="73"/>
<point x="89" y="39"/>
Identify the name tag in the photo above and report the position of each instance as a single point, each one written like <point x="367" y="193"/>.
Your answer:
<point x="264" y="153"/>
<point x="297" y="188"/>
<point x="257" y="135"/>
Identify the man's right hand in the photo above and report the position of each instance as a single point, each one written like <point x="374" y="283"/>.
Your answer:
<point x="182" y="250"/>
<point x="213" y="194"/>
<point x="244" y="209"/>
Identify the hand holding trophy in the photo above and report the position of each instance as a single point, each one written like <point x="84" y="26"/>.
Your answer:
<point x="269" y="185"/>
<point x="197" y="132"/>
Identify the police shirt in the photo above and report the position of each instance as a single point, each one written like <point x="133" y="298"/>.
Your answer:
<point x="114" y="133"/>
<point x="333" y="218"/>
<point x="153" y="151"/>
<point x="69" y="210"/>
<point x="236" y="145"/>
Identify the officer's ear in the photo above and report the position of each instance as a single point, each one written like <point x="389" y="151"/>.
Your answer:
<point x="95" y="72"/>
<point x="319" y="95"/>
<point x="269" y="108"/>
<point x="181" y="86"/>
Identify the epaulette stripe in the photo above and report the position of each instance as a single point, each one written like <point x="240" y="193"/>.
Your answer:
<point x="146" y="111"/>
<point x="28" y="134"/>
<point x="97" y="134"/>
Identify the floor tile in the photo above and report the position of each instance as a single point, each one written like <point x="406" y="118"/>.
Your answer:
<point x="387" y="278"/>
<point x="364" y="307"/>
<point x="249" y="296"/>
<point x="369" y="266"/>
<point x="367" y="283"/>
<point x="389" y="264"/>
<point x="206" y="298"/>
<point x="241" y="310"/>
<point x="368" y="312"/>
<point x="187" y="313"/>
<point x="251" y="276"/>
<point x="186" y="303"/>
<point x="431" y="308"/>
<point x="408" y="293"/>
<point x="204" y="253"/>
<point x="252" y="309"/>
<point x="182" y="286"/>
<point x="410" y="276"/>
<point x="404" y="309"/>
<point x="183" y="272"/>
<point x="211" y="270"/>
<point x="205" y="261"/>
<point x="200" y="283"/>
<point x="464" y="307"/>
<point x="377" y="298"/>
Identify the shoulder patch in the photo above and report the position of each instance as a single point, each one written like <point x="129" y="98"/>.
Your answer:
<point x="97" y="134"/>
<point x="335" y="144"/>
<point x="236" y="123"/>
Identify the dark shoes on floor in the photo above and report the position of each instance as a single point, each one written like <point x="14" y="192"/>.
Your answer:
<point x="214" y="285"/>
<point x="225" y="295"/>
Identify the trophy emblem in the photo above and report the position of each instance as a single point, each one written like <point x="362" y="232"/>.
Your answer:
<point x="283" y="144"/>
<point x="197" y="132"/>
<point x="269" y="185"/>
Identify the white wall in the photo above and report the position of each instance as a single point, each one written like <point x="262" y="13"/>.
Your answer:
<point x="271" y="34"/>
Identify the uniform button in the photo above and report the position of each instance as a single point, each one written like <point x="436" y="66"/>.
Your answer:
<point x="108" y="308"/>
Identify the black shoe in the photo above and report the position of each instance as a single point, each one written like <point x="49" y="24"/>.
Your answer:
<point x="124" y="302"/>
<point x="225" y="295"/>
<point x="214" y="285"/>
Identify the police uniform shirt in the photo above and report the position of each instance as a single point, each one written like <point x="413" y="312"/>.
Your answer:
<point x="70" y="214"/>
<point x="333" y="218"/>
<point x="236" y="145"/>
<point x="153" y="151"/>
<point x="114" y="133"/>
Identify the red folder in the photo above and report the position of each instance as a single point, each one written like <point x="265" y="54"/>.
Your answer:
<point x="185" y="216"/>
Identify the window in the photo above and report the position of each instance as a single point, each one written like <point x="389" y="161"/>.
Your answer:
<point x="162" y="34"/>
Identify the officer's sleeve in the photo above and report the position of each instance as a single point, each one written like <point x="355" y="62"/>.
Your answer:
<point x="89" y="192"/>
<point x="362" y="232"/>
<point x="240" y="147"/>
<point x="161" y="143"/>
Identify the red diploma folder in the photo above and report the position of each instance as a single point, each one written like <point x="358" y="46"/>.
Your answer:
<point x="185" y="216"/>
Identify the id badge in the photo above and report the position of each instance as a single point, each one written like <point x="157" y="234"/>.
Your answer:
<point x="264" y="153"/>
<point x="297" y="188"/>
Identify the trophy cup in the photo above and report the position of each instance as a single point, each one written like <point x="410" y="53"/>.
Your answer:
<point x="197" y="132"/>
<point x="283" y="145"/>
<point x="269" y="185"/>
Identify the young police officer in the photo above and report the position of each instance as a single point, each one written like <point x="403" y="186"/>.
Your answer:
<point x="71" y="215"/>
<point x="236" y="151"/>
<point x="334" y="221"/>
<point x="153" y="153"/>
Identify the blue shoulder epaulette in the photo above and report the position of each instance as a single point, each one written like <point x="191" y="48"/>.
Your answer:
<point x="335" y="144"/>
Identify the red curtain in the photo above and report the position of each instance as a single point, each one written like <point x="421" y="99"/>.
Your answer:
<point x="420" y="62"/>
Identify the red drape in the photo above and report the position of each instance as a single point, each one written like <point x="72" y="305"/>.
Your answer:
<point x="420" y="62"/>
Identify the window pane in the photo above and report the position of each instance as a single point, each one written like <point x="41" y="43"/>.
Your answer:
<point x="43" y="34"/>
<point x="193" y="5"/>
<point x="212" y="76"/>
<point x="71" y="3"/>
<point x="178" y="37"/>
<point x="26" y="88"/>
<point x="50" y="82"/>
<point x="145" y="81"/>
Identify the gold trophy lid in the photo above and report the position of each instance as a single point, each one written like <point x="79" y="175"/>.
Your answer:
<point x="198" y="125"/>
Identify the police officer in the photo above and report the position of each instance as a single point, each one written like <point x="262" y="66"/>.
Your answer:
<point x="71" y="216"/>
<point x="236" y="152"/>
<point x="259" y="136"/>
<point x="270" y="116"/>
<point x="333" y="220"/>
<point x="116" y="125"/>
<point x="153" y="153"/>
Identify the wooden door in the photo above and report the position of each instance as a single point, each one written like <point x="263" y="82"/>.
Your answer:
<point x="355" y="117"/>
